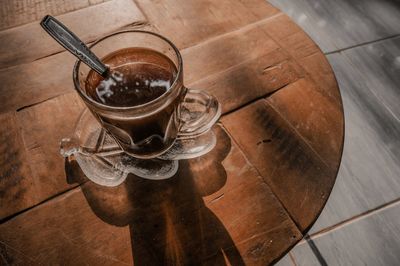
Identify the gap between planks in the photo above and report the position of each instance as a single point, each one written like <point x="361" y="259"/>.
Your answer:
<point x="292" y="258"/>
<point x="12" y="216"/>
<point x="353" y="219"/>
<point x="363" y="44"/>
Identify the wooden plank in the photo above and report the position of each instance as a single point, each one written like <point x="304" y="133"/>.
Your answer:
<point x="88" y="23"/>
<point x="259" y="8"/>
<point x="294" y="171"/>
<point x="17" y="186"/>
<point x="314" y="116"/>
<point x="373" y="239"/>
<point x="31" y="142"/>
<point x="216" y="208"/>
<point x="189" y="22"/>
<point x="61" y="231"/>
<point x="15" y="13"/>
<point x="256" y="78"/>
<point x="320" y="71"/>
<point x="225" y="51"/>
<point x="29" y="84"/>
<point x="305" y="52"/>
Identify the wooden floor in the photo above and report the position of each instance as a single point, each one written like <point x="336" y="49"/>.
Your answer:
<point x="360" y="224"/>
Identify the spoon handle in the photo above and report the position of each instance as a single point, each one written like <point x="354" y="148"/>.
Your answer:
<point x="72" y="43"/>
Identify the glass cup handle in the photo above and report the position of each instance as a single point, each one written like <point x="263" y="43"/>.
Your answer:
<point x="198" y="112"/>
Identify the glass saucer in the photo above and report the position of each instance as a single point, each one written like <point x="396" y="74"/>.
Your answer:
<point x="105" y="163"/>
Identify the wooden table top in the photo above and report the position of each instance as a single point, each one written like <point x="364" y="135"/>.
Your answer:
<point x="247" y="202"/>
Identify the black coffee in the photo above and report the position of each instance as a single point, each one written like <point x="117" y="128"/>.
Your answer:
<point x="139" y="76"/>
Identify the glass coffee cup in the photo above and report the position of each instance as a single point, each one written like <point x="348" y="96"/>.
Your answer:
<point x="144" y="125"/>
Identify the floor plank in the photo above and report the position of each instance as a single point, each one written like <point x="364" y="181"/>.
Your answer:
<point x="285" y="261"/>
<point x="16" y="13"/>
<point x="216" y="208"/>
<point x="30" y="42"/>
<point x="187" y="23"/>
<point x="370" y="240"/>
<point x="339" y="24"/>
<point x="304" y="255"/>
<point x="371" y="151"/>
<point x="379" y="65"/>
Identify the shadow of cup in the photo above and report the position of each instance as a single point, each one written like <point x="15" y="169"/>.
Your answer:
<point x="168" y="220"/>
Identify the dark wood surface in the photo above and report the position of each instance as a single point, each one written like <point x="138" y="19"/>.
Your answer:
<point x="247" y="202"/>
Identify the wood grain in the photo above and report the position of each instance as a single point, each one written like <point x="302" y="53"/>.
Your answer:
<point x="302" y="48"/>
<point x="30" y="42"/>
<point x="61" y="231"/>
<point x="187" y="23"/>
<point x="15" y="13"/>
<point x="17" y="186"/>
<point x="226" y="51"/>
<point x="296" y="174"/>
<point x="33" y="170"/>
<point x="257" y="77"/>
<point x="314" y="116"/>
<point x="32" y="83"/>
<point x="216" y="208"/>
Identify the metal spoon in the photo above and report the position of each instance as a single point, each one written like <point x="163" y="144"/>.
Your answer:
<point x="72" y="43"/>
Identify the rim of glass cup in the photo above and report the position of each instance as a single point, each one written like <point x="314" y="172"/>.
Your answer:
<point x="77" y="85"/>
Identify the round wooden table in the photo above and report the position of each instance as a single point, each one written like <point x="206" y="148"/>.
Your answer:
<point x="248" y="201"/>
